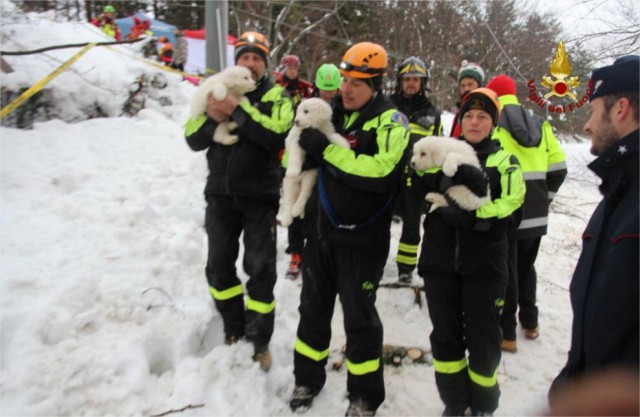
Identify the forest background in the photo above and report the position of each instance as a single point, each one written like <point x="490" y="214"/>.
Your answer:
<point x="513" y="37"/>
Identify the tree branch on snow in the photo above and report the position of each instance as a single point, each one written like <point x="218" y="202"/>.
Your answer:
<point x="179" y="410"/>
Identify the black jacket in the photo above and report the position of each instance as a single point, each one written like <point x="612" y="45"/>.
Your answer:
<point x="604" y="288"/>
<point x="473" y="244"/>
<point x="423" y="116"/>
<point x="363" y="180"/>
<point x="249" y="167"/>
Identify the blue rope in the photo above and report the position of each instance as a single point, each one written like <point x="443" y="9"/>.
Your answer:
<point x="331" y="214"/>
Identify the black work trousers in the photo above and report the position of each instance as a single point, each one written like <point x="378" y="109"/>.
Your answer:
<point x="465" y="312"/>
<point x="411" y="207"/>
<point x="330" y="269"/>
<point x="227" y="217"/>
<point x="295" y="235"/>
<point x="521" y="291"/>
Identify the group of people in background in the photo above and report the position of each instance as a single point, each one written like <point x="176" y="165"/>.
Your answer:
<point x="174" y="56"/>
<point x="477" y="265"/>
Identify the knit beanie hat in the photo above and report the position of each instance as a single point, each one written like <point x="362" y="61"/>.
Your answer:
<point x="471" y="70"/>
<point x="620" y="77"/>
<point x="481" y="99"/>
<point x="502" y="85"/>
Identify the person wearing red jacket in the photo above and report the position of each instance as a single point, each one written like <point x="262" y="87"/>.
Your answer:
<point x="288" y="78"/>
<point x="298" y="89"/>
<point x="107" y="22"/>
<point x="166" y="50"/>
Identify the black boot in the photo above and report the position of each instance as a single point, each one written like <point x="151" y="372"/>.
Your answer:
<point x="359" y="408"/>
<point x="454" y="410"/>
<point x="302" y="398"/>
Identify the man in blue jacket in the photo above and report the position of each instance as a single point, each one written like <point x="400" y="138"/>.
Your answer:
<point x="604" y="288"/>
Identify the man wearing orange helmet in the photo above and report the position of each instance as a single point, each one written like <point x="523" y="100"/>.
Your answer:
<point x="242" y="193"/>
<point x="348" y="222"/>
<point x="463" y="261"/>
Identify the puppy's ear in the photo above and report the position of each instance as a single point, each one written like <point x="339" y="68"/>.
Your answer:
<point x="437" y="156"/>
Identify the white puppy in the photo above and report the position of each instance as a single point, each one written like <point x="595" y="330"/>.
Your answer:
<point x="297" y="185"/>
<point x="236" y="81"/>
<point x="448" y="153"/>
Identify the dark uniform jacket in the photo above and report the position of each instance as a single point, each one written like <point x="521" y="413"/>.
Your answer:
<point x="363" y="180"/>
<point x="249" y="167"/>
<point x="473" y="242"/>
<point x="604" y="288"/>
<point x="424" y="118"/>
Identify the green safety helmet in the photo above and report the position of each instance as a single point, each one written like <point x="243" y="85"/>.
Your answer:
<point x="109" y="9"/>
<point x="328" y="77"/>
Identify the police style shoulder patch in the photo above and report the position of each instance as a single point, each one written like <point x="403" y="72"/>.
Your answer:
<point x="400" y="118"/>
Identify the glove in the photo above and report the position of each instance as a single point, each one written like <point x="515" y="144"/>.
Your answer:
<point x="455" y="216"/>
<point x="313" y="142"/>
<point x="473" y="178"/>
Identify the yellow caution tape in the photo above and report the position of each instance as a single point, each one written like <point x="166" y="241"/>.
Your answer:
<point x="157" y="65"/>
<point x="46" y="80"/>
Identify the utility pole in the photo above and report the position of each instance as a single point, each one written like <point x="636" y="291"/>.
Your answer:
<point x="216" y="25"/>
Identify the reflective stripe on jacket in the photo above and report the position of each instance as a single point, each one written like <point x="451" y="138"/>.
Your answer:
<point x="250" y="166"/>
<point x="541" y="158"/>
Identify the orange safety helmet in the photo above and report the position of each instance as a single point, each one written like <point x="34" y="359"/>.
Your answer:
<point x="481" y="99"/>
<point x="252" y="42"/>
<point x="364" y="60"/>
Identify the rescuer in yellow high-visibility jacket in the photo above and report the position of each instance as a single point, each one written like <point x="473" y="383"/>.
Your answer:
<point x="544" y="167"/>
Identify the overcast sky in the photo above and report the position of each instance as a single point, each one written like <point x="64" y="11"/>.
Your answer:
<point x="584" y="17"/>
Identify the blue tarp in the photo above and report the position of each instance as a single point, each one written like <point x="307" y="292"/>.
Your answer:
<point x="158" y="27"/>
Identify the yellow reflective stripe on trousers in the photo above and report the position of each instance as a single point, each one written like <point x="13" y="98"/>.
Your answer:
<point x="306" y="350"/>
<point x="407" y="260"/>
<point x="364" y="367"/>
<point x="226" y="294"/>
<point x="405" y="247"/>
<point x="449" y="367"/>
<point x="259" y="306"/>
<point x="484" y="381"/>
<point x="407" y="254"/>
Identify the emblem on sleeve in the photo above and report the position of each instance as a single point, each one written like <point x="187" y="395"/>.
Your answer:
<point x="400" y="118"/>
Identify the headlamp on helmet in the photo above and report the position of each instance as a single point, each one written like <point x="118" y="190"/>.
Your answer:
<point x="364" y="60"/>
<point x="252" y="42"/>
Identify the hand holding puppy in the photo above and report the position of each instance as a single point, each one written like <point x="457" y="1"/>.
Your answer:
<point x="220" y="110"/>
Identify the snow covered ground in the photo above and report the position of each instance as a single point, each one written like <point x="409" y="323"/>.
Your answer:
<point x="104" y="304"/>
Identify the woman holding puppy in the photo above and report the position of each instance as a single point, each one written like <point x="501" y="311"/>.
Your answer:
<point x="464" y="264"/>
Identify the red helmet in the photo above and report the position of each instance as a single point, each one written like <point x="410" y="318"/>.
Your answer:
<point x="290" y="61"/>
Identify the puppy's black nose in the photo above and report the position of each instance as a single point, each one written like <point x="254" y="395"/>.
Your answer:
<point x="413" y="164"/>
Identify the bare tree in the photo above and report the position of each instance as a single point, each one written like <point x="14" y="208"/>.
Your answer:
<point x="613" y="29"/>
